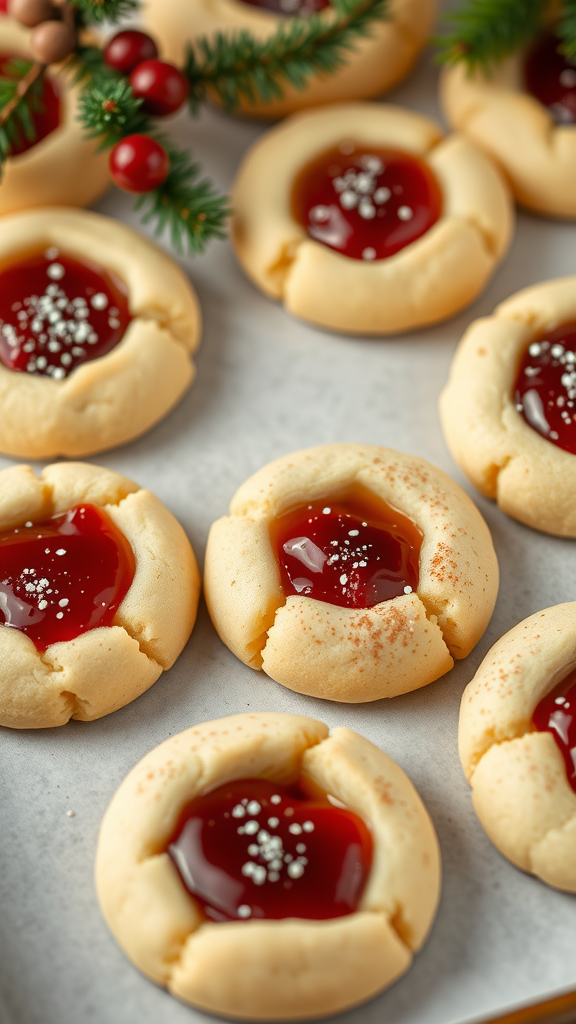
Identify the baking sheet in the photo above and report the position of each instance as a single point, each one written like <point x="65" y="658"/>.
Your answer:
<point x="268" y="385"/>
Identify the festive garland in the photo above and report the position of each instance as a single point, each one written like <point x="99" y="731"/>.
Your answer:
<point x="484" y="32"/>
<point x="125" y="88"/>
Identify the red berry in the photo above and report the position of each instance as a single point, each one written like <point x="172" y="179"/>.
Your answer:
<point x="128" y="49"/>
<point x="162" y="87"/>
<point x="139" y="164"/>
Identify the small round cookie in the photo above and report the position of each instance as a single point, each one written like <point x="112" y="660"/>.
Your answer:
<point x="521" y="123"/>
<point x="363" y="218"/>
<point x="508" y="410"/>
<point x="351" y="573"/>
<point x="377" y="62"/>
<point x="61" y="166"/>
<point x="97" y="331"/>
<point x="225" y="936"/>
<point x="517" y="738"/>
<point x="98" y="594"/>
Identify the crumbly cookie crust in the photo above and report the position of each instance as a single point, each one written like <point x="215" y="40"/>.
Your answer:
<point x="347" y="654"/>
<point x="113" y="399"/>
<point x="107" y="667"/>
<point x="274" y="970"/>
<point x="425" y="282"/>
<point x="374" y="66"/>
<point x="62" y="168"/>
<point x="531" y="479"/>
<point x="520" y="789"/>
<point x="537" y="155"/>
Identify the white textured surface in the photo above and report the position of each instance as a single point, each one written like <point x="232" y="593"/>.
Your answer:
<point x="268" y="385"/>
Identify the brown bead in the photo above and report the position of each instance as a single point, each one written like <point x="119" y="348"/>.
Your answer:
<point x="52" y="41"/>
<point x="31" y="12"/>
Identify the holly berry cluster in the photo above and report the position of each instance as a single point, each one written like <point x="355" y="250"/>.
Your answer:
<point x="139" y="163"/>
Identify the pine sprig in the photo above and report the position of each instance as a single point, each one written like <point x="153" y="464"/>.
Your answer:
<point x="238" y="67"/>
<point x="110" y="111"/>
<point x="566" y="28"/>
<point x="185" y="205"/>
<point x="21" y="106"/>
<point x="486" y="31"/>
<point x="94" y="12"/>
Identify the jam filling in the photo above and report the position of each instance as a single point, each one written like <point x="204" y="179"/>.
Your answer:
<point x="551" y="78"/>
<point x="254" y="849"/>
<point x="45" y="119"/>
<point x="65" y="576"/>
<point x="353" y="552"/>
<point x="366" y="203"/>
<point x="545" y="388"/>
<point x="556" y="713"/>
<point x="57" y="312"/>
<point x="290" y="8"/>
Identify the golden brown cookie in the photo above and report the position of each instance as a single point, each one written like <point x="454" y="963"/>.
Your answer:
<point x="368" y="647"/>
<point x="57" y="660"/>
<point x="61" y="400"/>
<point x="501" y="440"/>
<point x="514" y="736"/>
<point x="495" y="111"/>
<point x="251" y="968"/>
<point x="422" y="281"/>
<point x="376" y="63"/>
<point x="62" y="167"/>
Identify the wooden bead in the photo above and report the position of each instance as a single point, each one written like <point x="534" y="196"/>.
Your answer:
<point x="31" y="12"/>
<point x="52" y="41"/>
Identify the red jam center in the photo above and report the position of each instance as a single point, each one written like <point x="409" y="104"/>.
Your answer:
<point x="253" y="849"/>
<point x="551" y="78"/>
<point x="545" y="388"/>
<point x="45" y="120"/>
<point x="57" y="312"/>
<point x="290" y="8"/>
<point x="354" y="552"/>
<point x="60" y="578"/>
<point x="366" y="203"/>
<point x="556" y="713"/>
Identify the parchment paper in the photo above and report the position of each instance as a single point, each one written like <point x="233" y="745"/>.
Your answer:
<point x="268" y="385"/>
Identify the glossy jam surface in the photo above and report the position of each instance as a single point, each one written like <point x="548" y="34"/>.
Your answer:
<point x="57" y="312"/>
<point x="290" y="8"/>
<point x="545" y="388"/>
<point x="354" y="552"/>
<point x="45" y="120"/>
<point x="253" y="849"/>
<point x="551" y="78"/>
<point x="366" y="203"/>
<point x="557" y="714"/>
<point x="65" y="576"/>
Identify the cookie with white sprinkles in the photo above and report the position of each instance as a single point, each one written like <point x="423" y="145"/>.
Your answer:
<point x="261" y="869"/>
<point x="98" y="593"/>
<point x="350" y="572"/>
<point x="509" y="408"/>
<point x="97" y="332"/>
<point x="364" y="218"/>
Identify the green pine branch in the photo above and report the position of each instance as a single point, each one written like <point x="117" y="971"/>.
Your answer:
<point x="566" y="28"/>
<point x="484" y="32"/>
<point x="94" y="12"/>
<point x="19" y="124"/>
<point x="239" y="67"/>
<point x="185" y="205"/>
<point x="110" y="111"/>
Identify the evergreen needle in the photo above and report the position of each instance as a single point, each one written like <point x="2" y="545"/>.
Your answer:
<point x="237" y="67"/>
<point x="18" y="123"/>
<point x="486" y="31"/>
